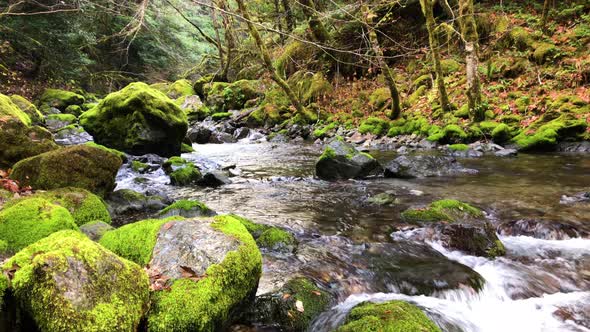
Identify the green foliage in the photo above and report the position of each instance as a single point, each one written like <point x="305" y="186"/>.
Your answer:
<point x="392" y="316"/>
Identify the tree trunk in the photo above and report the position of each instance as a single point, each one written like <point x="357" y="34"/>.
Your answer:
<point x="469" y="32"/>
<point x="289" y="15"/>
<point x="229" y="38"/>
<point x="316" y="26"/>
<point x="545" y="14"/>
<point x="265" y="55"/>
<point x="427" y="10"/>
<point x="385" y="69"/>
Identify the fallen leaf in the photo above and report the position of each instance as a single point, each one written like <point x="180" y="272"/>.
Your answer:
<point x="299" y="306"/>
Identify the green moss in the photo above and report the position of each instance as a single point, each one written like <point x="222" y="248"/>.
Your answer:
<point x="382" y="199"/>
<point x="138" y="166"/>
<point x="323" y="131"/>
<point x="4" y="284"/>
<point x="502" y="133"/>
<point x="19" y="141"/>
<point x="521" y="38"/>
<point x="27" y="107"/>
<point x="185" y="175"/>
<point x="82" y="204"/>
<point x="459" y="147"/>
<point x="545" y="134"/>
<point x="231" y="96"/>
<point x="60" y="99"/>
<point x="328" y="153"/>
<point x="253" y="228"/>
<point x="78" y="166"/>
<point x="273" y="238"/>
<point x="450" y="66"/>
<point x="449" y="134"/>
<point x="186" y="205"/>
<point x="8" y="109"/>
<point x="221" y="116"/>
<point x="185" y="148"/>
<point x="180" y="88"/>
<point x="207" y="304"/>
<point x="135" y="241"/>
<point x="122" y="119"/>
<point x="417" y="125"/>
<point x="375" y="126"/>
<point x="442" y="210"/>
<point x="413" y="98"/>
<point x="544" y="52"/>
<point x="75" y="110"/>
<point x="392" y="316"/>
<point x="462" y="112"/>
<point x="31" y="220"/>
<point x="423" y="80"/>
<point x="47" y="285"/>
<point x="380" y="99"/>
<point x="313" y="300"/>
<point x="116" y="152"/>
<point x="496" y="251"/>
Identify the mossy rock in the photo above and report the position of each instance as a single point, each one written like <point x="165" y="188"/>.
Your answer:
<point x="66" y="282"/>
<point x="276" y="239"/>
<point x="392" y="316"/>
<point x="223" y="96"/>
<point x="221" y="116"/>
<point x="382" y="199"/>
<point x="418" y="125"/>
<point x="75" y="110"/>
<point x="502" y="133"/>
<point x="181" y="172"/>
<point x="199" y="85"/>
<point x="9" y="110"/>
<point x="551" y="128"/>
<point x="180" y="88"/>
<point x="309" y="86"/>
<point x="117" y="153"/>
<point x="380" y="99"/>
<point x="545" y="52"/>
<point x="59" y="99"/>
<point x="443" y="210"/>
<point x="449" y="134"/>
<point x="450" y="66"/>
<point x="341" y="161"/>
<point x="30" y="220"/>
<point x="323" y="131"/>
<point x="29" y="108"/>
<point x="137" y="120"/>
<point x="187" y="208"/>
<point x="82" y="204"/>
<point x="207" y="300"/>
<point x="19" y="141"/>
<point x="78" y="166"/>
<point x="375" y="126"/>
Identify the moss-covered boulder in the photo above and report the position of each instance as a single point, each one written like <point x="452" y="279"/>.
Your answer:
<point x="341" y="160"/>
<point x="181" y="172"/>
<point x="66" y="282"/>
<point x="179" y="89"/>
<point x="293" y="307"/>
<point x="29" y="108"/>
<point x="206" y="269"/>
<point x="392" y="316"/>
<point x="30" y="220"/>
<point x="231" y="96"/>
<point x="60" y="99"/>
<point x="82" y="204"/>
<point x="478" y="239"/>
<point x="187" y="208"/>
<point x="442" y="210"/>
<point x="137" y="120"/>
<point x="78" y="166"/>
<point x="19" y="141"/>
<point x="9" y="110"/>
<point x="552" y="128"/>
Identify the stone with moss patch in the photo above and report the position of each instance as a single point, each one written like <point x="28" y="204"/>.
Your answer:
<point x="231" y="96"/>
<point x="180" y="88"/>
<point x="29" y="108"/>
<point x="551" y="128"/>
<point x="78" y="166"/>
<point x="449" y="134"/>
<point x="205" y="296"/>
<point x="188" y="209"/>
<point x="276" y="239"/>
<point x="185" y="148"/>
<point x="19" y="141"/>
<point x="442" y="210"/>
<point x="66" y="282"/>
<point x="59" y="99"/>
<point x="221" y="116"/>
<point x="341" y="160"/>
<point x="82" y="204"/>
<point x="30" y="220"/>
<point x="137" y="120"/>
<point x="118" y="153"/>
<point x="181" y="172"/>
<point x="95" y="229"/>
<point x="323" y="131"/>
<point x="392" y="316"/>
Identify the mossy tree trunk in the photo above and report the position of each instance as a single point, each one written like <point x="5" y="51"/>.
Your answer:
<point x="288" y="15"/>
<point x="265" y="55"/>
<point x="229" y="38"/>
<point x="469" y="32"/>
<point x="385" y="69"/>
<point x="427" y="10"/>
<point x="316" y="26"/>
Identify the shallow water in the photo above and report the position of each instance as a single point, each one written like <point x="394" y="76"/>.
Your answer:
<point x="541" y="285"/>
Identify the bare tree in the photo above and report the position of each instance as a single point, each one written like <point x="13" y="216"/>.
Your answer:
<point x="470" y="37"/>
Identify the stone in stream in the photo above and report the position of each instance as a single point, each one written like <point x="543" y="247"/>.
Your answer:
<point x="66" y="282"/>
<point x="181" y="171"/>
<point x="292" y="308"/>
<point x="387" y="316"/>
<point x="199" y="134"/>
<point x="214" y="179"/>
<point x="219" y="137"/>
<point x="449" y="210"/>
<point x="242" y="133"/>
<point x="419" y="166"/>
<point x="576" y="198"/>
<point x="72" y="135"/>
<point x="202" y="270"/>
<point x="59" y="99"/>
<point x="341" y="160"/>
<point x="137" y="120"/>
<point x="79" y="166"/>
<point x="543" y="229"/>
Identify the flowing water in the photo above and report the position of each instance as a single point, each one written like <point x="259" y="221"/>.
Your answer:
<point x="361" y="251"/>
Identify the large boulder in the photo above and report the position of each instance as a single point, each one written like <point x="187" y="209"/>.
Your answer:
<point x="202" y="270"/>
<point x="449" y="210"/>
<point x="29" y="108"/>
<point x="78" y="166"/>
<point x="66" y="282"/>
<point x="420" y="166"/>
<point x="388" y="316"/>
<point x="18" y="139"/>
<point x="31" y="220"/>
<point x="82" y="204"/>
<point x="137" y="120"/>
<point x="341" y="160"/>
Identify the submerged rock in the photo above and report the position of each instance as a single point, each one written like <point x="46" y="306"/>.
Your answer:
<point x="79" y="166"/>
<point x="419" y="166"/>
<point x="137" y="120"/>
<point x="202" y="270"/>
<point x="66" y="282"/>
<point x="388" y="316"/>
<point x="341" y="160"/>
